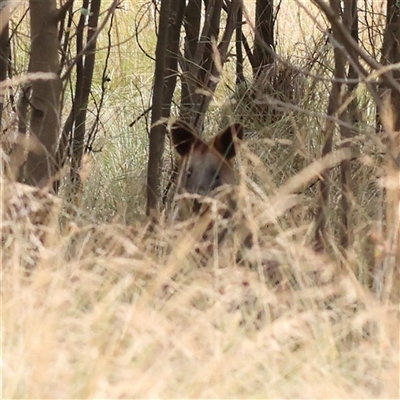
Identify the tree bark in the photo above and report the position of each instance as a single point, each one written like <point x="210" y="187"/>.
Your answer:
<point x="189" y="72"/>
<point x="45" y="101"/>
<point x="214" y="60"/>
<point x="198" y="58"/>
<point x="321" y="238"/>
<point x="158" y="127"/>
<point x="174" y="34"/>
<point x="65" y="148"/>
<point x="349" y="115"/>
<point x="264" y="35"/>
<point x="391" y="124"/>
<point x="391" y="53"/>
<point x="83" y="93"/>
<point x="4" y="57"/>
<point x="240" y="78"/>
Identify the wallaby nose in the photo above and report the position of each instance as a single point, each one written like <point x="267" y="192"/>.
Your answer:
<point x="203" y="190"/>
<point x="196" y="206"/>
<point x="201" y="187"/>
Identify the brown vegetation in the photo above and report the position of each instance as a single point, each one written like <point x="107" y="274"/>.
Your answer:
<point x="101" y="301"/>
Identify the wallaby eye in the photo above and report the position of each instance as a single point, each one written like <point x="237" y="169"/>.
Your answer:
<point x="189" y="172"/>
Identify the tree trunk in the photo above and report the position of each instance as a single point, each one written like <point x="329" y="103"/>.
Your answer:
<point x="391" y="124"/>
<point x="264" y="35"/>
<point x="4" y="56"/>
<point x="158" y="127"/>
<point x="174" y="34"/>
<point x="65" y="147"/>
<point x="240" y="78"/>
<point x="391" y="53"/>
<point x="45" y="100"/>
<point x="83" y="92"/>
<point x="214" y="60"/>
<point x="333" y="105"/>
<point x="349" y="116"/>
<point x="189" y="73"/>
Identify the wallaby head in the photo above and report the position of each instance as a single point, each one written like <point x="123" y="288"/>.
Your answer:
<point x="205" y="166"/>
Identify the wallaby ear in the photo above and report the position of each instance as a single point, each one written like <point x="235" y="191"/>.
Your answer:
<point x="224" y="141"/>
<point x="183" y="138"/>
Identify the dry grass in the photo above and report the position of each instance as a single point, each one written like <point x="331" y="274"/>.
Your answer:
<point x="96" y="303"/>
<point x="116" y="311"/>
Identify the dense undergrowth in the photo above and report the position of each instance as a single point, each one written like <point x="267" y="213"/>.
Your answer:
<point x="98" y="302"/>
<point x="115" y="310"/>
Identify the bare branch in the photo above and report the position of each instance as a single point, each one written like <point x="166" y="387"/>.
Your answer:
<point x="354" y="50"/>
<point x="60" y="13"/>
<point x="110" y="11"/>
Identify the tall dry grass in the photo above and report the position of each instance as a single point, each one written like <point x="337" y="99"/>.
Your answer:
<point x="108" y="310"/>
<point x="96" y="303"/>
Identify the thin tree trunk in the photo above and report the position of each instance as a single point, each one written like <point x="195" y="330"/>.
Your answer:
<point x="199" y="66"/>
<point x="85" y="88"/>
<point x="4" y="57"/>
<point x="45" y="102"/>
<point x="189" y="74"/>
<point x="209" y="76"/>
<point x="350" y="20"/>
<point x="322" y="213"/>
<point x="171" y="62"/>
<point x="240" y="78"/>
<point x="158" y="127"/>
<point x="65" y="147"/>
<point x="390" y="118"/>
<point x="174" y="34"/>
<point x="264" y="34"/>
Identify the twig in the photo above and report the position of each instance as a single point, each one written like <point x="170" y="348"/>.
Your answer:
<point x="110" y="11"/>
<point x="138" y="118"/>
<point x="60" y="13"/>
<point x="352" y="47"/>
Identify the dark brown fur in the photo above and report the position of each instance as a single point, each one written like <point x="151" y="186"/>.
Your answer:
<point x="205" y="166"/>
